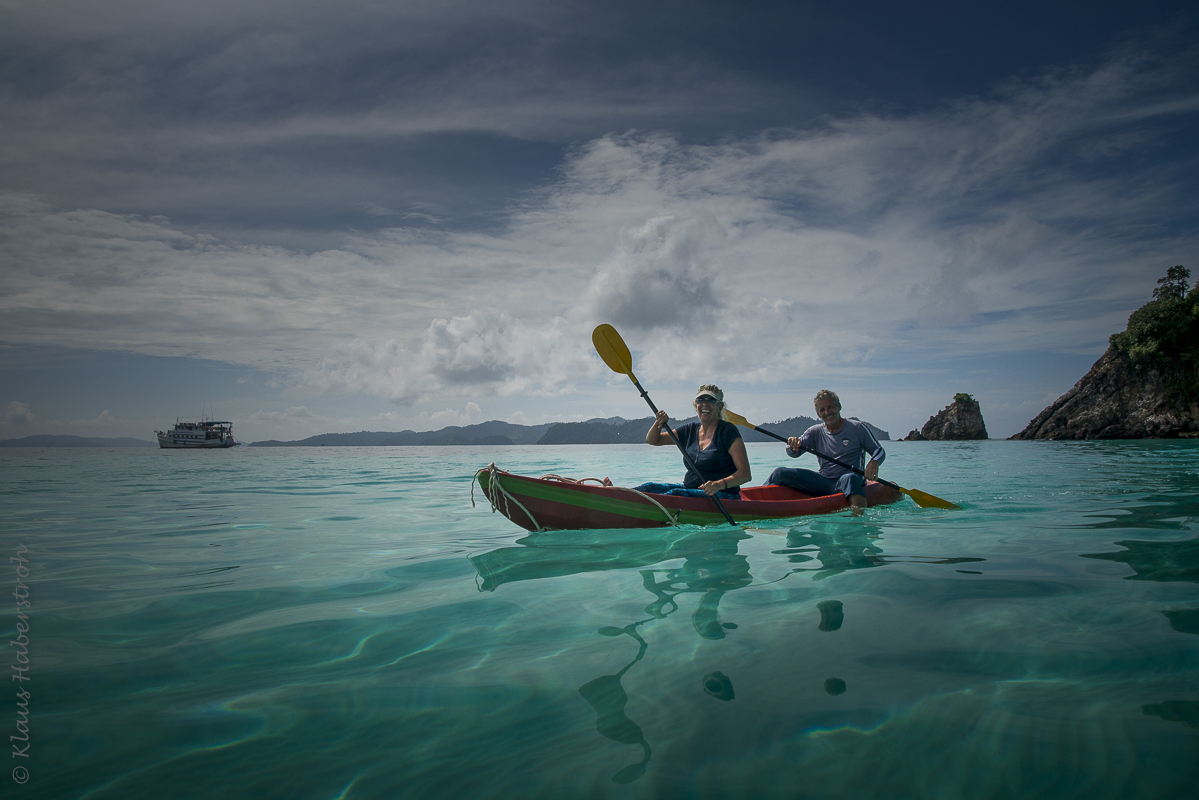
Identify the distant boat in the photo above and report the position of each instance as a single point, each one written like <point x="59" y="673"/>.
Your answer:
<point x="203" y="434"/>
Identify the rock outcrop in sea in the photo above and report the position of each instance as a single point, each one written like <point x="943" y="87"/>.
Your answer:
<point x="1146" y="386"/>
<point x="960" y="420"/>
<point x="1113" y="401"/>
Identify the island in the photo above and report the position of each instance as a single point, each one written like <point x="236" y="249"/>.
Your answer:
<point x="1146" y="385"/>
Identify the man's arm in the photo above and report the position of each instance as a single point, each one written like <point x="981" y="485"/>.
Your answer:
<point x="794" y="443"/>
<point x="874" y="449"/>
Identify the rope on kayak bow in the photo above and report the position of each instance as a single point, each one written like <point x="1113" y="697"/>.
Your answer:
<point x="673" y="519"/>
<point x="493" y="489"/>
<point x="492" y="470"/>
<point x="552" y="477"/>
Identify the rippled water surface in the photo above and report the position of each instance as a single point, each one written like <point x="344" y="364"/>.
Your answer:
<point x="340" y="622"/>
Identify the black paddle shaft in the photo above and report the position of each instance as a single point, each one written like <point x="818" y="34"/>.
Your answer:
<point x="818" y="454"/>
<point x="686" y="458"/>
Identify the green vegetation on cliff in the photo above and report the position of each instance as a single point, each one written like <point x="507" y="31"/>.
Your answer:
<point x="1163" y="334"/>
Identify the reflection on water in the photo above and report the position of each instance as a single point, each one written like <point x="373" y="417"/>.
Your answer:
<point x="608" y="698"/>
<point x="1157" y="561"/>
<point x="719" y="686"/>
<point x="552" y="554"/>
<point x="1174" y="512"/>
<point x="832" y="615"/>
<point x="717" y="571"/>
<point x="1184" y="620"/>
<point x="840" y="547"/>
<point x="1184" y="711"/>
<point x="711" y="566"/>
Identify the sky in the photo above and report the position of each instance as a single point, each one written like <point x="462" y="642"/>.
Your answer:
<point x="310" y="217"/>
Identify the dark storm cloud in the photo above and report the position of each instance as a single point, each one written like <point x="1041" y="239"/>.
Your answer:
<point x="292" y="117"/>
<point x="290" y="123"/>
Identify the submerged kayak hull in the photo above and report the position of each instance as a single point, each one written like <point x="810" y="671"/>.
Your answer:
<point x="539" y="504"/>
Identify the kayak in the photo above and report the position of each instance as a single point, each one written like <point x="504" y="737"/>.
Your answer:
<point x="552" y="502"/>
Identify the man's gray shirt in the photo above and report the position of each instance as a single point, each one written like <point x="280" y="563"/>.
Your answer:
<point x="849" y="444"/>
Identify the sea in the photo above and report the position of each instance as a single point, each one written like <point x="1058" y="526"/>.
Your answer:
<point x="339" y="622"/>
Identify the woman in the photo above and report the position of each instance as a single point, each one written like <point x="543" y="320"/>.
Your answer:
<point x="715" y="446"/>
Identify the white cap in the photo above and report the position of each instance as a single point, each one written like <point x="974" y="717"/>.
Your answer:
<point x="719" y="395"/>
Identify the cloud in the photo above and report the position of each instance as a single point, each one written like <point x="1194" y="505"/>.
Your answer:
<point x="292" y="416"/>
<point x="17" y="413"/>
<point x="469" y="415"/>
<point x="1030" y="220"/>
<point x="278" y="123"/>
<point x="486" y="350"/>
<point x="659" y="275"/>
<point x="103" y="419"/>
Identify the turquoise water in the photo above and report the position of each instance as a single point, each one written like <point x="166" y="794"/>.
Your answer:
<point x="340" y="622"/>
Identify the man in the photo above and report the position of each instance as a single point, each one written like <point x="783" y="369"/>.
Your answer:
<point x="843" y="439"/>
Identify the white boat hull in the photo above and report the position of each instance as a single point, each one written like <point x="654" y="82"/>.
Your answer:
<point x="167" y="440"/>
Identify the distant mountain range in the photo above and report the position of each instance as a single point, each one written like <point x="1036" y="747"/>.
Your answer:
<point x="609" y="430"/>
<point x="45" y="440"/>
<point x="484" y="433"/>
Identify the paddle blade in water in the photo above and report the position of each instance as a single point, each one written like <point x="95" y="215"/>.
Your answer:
<point x="926" y="500"/>
<point x="612" y="349"/>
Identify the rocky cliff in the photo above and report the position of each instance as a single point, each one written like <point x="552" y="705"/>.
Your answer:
<point x="961" y="419"/>
<point x="1113" y="401"/>
<point x="1146" y="386"/>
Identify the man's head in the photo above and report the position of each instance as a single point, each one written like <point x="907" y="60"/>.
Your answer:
<point x="828" y="405"/>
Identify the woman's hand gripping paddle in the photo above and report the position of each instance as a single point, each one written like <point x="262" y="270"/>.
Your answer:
<point x="923" y="499"/>
<point x="615" y="353"/>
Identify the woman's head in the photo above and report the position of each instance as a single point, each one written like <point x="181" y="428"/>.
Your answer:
<point x="711" y="394"/>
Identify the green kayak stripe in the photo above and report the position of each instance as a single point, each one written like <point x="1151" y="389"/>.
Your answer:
<point x="571" y="497"/>
<point x="614" y="505"/>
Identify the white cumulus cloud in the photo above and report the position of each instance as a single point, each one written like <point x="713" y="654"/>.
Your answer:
<point x="17" y="413"/>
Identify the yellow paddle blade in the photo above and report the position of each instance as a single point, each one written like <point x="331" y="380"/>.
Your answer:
<point x="926" y="500"/>
<point x="736" y="419"/>
<point x="612" y="349"/>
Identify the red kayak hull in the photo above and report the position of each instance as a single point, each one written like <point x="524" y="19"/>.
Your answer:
<point x="539" y="504"/>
